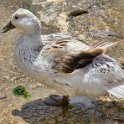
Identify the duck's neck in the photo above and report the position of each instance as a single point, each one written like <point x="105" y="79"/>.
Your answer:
<point x="31" y="41"/>
<point x="27" y="50"/>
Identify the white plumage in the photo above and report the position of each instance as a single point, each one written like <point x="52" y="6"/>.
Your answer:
<point x="45" y="58"/>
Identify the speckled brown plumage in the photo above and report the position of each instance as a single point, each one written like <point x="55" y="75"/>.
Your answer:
<point x="79" y="60"/>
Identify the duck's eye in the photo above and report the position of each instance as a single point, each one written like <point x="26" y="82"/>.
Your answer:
<point x="16" y="17"/>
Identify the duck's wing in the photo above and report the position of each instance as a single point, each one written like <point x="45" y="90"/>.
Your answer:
<point x="67" y="56"/>
<point x="58" y="48"/>
<point x="69" y="63"/>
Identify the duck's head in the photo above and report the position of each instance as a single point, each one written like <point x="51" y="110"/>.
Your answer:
<point x="24" y="20"/>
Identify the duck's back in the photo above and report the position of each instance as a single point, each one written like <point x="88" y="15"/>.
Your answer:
<point x="93" y="76"/>
<point x="59" y="46"/>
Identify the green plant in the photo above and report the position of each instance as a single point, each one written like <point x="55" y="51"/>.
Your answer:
<point x="21" y="91"/>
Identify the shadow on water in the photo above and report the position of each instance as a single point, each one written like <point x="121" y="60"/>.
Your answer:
<point x="37" y="112"/>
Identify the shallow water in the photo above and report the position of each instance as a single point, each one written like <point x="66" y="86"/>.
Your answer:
<point x="106" y="17"/>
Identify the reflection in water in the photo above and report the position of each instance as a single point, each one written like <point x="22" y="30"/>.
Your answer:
<point x="38" y="112"/>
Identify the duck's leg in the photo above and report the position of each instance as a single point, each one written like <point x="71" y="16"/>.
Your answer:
<point x="56" y="100"/>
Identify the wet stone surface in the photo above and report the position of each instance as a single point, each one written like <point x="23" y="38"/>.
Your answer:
<point x="104" y="22"/>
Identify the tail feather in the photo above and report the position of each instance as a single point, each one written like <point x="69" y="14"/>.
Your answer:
<point x="117" y="91"/>
<point x="105" y="45"/>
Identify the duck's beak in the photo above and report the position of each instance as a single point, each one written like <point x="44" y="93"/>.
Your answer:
<point x="7" y="27"/>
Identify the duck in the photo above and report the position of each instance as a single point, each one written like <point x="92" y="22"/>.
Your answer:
<point x="61" y="62"/>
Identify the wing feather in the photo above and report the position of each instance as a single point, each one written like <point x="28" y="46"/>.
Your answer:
<point x="78" y="60"/>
